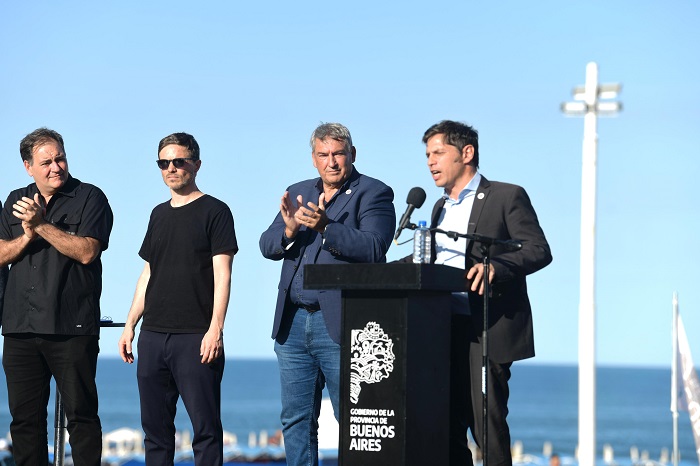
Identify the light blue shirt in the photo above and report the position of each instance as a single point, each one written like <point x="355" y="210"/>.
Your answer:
<point x="455" y="217"/>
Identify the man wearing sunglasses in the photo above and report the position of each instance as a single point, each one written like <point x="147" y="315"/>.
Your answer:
<point x="339" y="217"/>
<point x="182" y="295"/>
<point x="53" y="233"/>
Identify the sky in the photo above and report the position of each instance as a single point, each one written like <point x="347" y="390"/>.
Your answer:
<point x="251" y="80"/>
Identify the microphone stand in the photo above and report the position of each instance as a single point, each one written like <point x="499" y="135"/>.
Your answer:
<point x="485" y="244"/>
<point x="485" y="249"/>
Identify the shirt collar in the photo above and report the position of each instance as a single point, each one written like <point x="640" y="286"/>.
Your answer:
<point x="472" y="186"/>
<point x="68" y="189"/>
<point x="353" y="176"/>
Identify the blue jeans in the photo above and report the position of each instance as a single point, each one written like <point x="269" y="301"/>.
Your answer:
<point x="308" y="359"/>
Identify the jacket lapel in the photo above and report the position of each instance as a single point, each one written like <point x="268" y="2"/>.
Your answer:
<point x="434" y="219"/>
<point x="482" y="192"/>
<point x="343" y="197"/>
<point x="437" y="209"/>
<point x="341" y="200"/>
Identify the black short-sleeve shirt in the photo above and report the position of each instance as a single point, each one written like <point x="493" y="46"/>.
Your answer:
<point x="48" y="292"/>
<point x="179" y="245"/>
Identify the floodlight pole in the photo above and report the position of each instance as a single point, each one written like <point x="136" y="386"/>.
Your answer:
<point x="586" y="312"/>
<point x="590" y="108"/>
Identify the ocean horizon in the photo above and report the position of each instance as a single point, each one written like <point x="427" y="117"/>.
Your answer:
<point x="633" y="406"/>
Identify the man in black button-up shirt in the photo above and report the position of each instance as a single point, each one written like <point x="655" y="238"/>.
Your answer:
<point x="52" y="232"/>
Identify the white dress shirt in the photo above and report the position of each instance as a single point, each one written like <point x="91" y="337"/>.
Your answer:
<point x="455" y="217"/>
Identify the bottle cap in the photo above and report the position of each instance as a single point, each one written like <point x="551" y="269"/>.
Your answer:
<point x="422" y="223"/>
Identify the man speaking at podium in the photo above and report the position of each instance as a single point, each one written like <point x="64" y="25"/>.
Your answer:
<point x="473" y="204"/>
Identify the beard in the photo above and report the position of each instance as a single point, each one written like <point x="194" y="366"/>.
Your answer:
<point x="177" y="183"/>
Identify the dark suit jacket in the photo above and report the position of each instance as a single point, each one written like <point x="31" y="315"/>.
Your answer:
<point x="361" y="229"/>
<point x="504" y="211"/>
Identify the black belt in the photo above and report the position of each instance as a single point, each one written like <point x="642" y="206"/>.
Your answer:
<point x="310" y="308"/>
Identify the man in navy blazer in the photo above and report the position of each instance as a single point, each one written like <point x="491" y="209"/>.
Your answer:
<point x="473" y="204"/>
<point x="341" y="217"/>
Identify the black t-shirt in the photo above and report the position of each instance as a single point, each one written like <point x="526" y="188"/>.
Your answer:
<point x="48" y="292"/>
<point x="179" y="246"/>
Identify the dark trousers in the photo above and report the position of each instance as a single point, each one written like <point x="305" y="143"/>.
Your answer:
<point x="169" y="366"/>
<point x="29" y="361"/>
<point x="467" y="399"/>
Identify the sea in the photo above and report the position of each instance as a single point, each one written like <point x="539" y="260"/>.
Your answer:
<point x="633" y="407"/>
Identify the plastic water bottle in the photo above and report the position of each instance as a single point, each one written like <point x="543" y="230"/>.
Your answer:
<point x="421" y="244"/>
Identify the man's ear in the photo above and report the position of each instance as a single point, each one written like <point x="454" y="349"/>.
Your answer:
<point x="28" y="167"/>
<point x="468" y="154"/>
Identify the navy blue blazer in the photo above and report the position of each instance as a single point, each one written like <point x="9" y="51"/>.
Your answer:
<point x="360" y="230"/>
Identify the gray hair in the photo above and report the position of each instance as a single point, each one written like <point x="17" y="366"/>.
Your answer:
<point x="334" y="131"/>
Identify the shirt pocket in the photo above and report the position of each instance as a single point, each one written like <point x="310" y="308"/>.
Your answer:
<point x="68" y="222"/>
<point x="16" y="227"/>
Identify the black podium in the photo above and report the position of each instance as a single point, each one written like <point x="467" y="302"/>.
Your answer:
<point x="395" y="366"/>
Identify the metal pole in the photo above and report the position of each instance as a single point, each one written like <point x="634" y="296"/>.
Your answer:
<point x="485" y="358"/>
<point x="674" y="381"/>
<point x="59" y="423"/>
<point x="586" y="343"/>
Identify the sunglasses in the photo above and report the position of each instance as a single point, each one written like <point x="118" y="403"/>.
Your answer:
<point x="179" y="162"/>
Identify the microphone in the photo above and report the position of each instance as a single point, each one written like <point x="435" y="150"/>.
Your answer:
<point x="415" y="199"/>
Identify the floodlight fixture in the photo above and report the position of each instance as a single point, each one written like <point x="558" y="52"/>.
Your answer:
<point x="574" y="108"/>
<point x="608" y="108"/>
